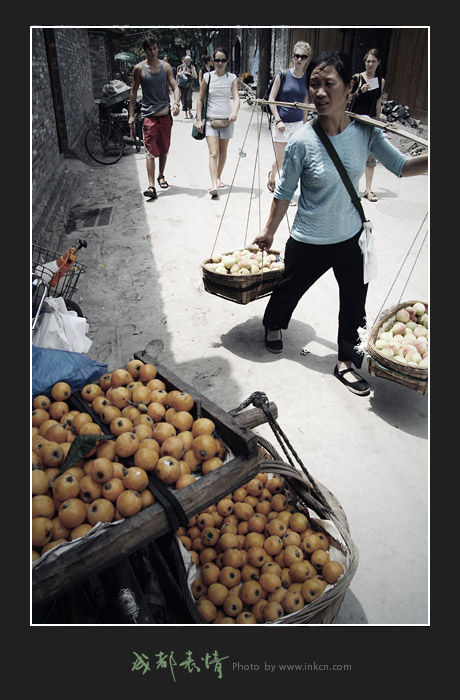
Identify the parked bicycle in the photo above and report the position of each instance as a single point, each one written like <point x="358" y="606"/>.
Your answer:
<point x="107" y="136"/>
<point x="55" y="275"/>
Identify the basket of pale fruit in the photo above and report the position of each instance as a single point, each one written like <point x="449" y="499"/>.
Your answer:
<point x="242" y="275"/>
<point x="398" y="346"/>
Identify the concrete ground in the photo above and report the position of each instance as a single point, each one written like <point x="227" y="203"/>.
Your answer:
<point x="143" y="290"/>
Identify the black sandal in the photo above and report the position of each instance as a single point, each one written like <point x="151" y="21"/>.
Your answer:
<point x="163" y="184"/>
<point x="275" y="346"/>
<point x="361" y="388"/>
<point x="151" y="192"/>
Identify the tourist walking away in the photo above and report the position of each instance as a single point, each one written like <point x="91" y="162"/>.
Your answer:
<point x="186" y="74"/>
<point x="326" y="229"/>
<point x="289" y="86"/>
<point x="154" y="76"/>
<point x="223" y="104"/>
<point x="366" y="98"/>
<point x="206" y="67"/>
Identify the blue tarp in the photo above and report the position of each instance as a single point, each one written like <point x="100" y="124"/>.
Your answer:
<point x="51" y="366"/>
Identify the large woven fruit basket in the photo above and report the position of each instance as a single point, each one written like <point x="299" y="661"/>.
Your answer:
<point x="240" y="289"/>
<point x="379" y="365"/>
<point x="326" y="517"/>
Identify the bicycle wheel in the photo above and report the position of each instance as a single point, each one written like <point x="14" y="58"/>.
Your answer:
<point x="73" y="306"/>
<point x="105" y="146"/>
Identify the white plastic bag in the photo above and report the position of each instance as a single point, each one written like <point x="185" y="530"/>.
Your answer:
<point x="61" y="329"/>
<point x="369" y="251"/>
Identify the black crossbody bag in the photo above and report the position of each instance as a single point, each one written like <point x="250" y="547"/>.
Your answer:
<point x="366" y="242"/>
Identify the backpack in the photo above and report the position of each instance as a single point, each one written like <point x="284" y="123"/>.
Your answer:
<point x="266" y="108"/>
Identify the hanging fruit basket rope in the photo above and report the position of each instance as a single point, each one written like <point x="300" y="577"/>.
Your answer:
<point x="242" y="288"/>
<point x="259" y="400"/>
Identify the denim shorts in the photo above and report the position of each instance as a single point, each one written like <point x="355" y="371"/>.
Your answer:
<point x="226" y="133"/>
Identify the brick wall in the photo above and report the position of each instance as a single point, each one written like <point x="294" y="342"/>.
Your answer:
<point x="75" y="84"/>
<point x="62" y="97"/>
<point x="47" y="161"/>
<point x="100" y="61"/>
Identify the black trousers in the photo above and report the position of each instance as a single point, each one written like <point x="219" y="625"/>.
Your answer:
<point x="305" y="263"/>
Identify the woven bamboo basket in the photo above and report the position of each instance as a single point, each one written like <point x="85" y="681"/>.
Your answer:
<point x="240" y="289"/>
<point x="380" y="366"/>
<point x="332" y="521"/>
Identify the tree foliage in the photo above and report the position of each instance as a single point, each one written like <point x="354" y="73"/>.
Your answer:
<point x="174" y="40"/>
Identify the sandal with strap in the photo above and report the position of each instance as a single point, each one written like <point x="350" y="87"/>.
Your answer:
<point x="361" y="387"/>
<point x="162" y="182"/>
<point x="370" y="196"/>
<point x="151" y="192"/>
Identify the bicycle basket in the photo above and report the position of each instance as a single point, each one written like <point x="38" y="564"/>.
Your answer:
<point x="66" y="285"/>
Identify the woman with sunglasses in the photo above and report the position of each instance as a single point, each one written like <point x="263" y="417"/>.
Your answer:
<point x="327" y="227"/>
<point x="288" y="120"/>
<point x="223" y="103"/>
<point x="367" y="99"/>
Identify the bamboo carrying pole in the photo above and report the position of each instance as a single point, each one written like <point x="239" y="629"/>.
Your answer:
<point x="359" y="117"/>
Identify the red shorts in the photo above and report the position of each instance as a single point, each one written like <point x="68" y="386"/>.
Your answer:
<point x="157" y="135"/>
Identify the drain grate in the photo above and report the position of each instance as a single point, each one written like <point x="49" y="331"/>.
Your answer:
<point x="104" y="216"/>
<point x="89" y="218"/>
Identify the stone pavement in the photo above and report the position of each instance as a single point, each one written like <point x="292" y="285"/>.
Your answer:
<point x="143" y="290"/>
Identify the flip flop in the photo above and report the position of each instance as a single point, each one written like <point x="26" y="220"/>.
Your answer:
<point x="271" y="184"/>
<point x="163" y="184"/>
<point x="213" y="192"/>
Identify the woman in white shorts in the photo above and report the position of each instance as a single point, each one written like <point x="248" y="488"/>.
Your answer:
<point x="287" y="120"/>
<point x="221" y="113"/>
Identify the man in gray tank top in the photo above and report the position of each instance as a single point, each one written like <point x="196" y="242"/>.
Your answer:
<point x="154" y="76"/>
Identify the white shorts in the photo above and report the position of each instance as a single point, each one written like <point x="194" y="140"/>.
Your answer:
<point x="284" y="136"/>
<point x="226" y="133"/>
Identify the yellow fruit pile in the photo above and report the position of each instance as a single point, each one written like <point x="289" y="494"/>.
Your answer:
<point x="259" y="558"/>
<point x="153" y="427"/>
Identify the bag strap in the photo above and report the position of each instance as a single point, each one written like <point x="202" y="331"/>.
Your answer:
<point x="339" y="165"/>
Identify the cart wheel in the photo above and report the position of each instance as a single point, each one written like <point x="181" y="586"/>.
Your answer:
<point x="104" y="145"/>
<point x="73" y="306"/>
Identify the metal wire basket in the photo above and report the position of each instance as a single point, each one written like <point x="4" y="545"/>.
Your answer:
<point x="66" y="285"/>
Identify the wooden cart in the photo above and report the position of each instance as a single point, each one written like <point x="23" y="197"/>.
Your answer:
<point x="69" y="566"/>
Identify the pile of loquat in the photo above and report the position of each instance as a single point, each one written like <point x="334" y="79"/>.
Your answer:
<point x="258" y="557"/>
<point x="152" y="430"/>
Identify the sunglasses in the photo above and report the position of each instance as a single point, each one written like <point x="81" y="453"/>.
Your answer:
<point x="301" y="58"/>
<point x="220" y="60"/>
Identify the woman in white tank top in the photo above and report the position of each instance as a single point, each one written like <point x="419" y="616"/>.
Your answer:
<point x="223" y="103"/>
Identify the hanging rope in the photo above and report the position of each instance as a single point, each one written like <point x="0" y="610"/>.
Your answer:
<point x="255" y="105"/>
<point x="259" y="400"/>
<point x="277" y="167"/>
<point x="256" y="163"/>
<point x="403" y="263"/>
<point x="233" y="179"/>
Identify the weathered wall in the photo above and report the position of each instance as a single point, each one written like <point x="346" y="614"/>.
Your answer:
<point x="46" y="158"/>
